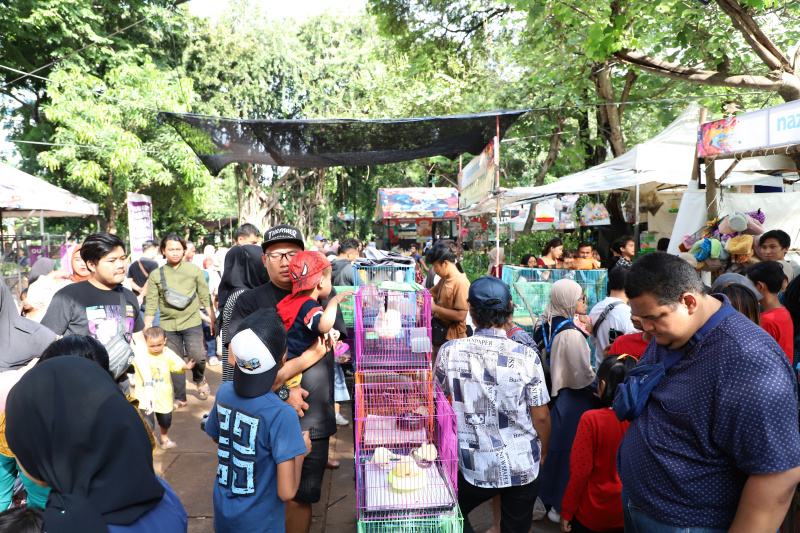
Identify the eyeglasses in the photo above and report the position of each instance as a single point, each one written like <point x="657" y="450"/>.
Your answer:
<point x="583" y="299"/>
<point x="277" y="257"/>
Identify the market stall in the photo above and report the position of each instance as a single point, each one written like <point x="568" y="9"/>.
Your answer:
<point x="30" y="198"/>
<point x="408" y="214"/>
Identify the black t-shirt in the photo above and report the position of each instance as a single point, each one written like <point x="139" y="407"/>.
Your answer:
<point x="83" y="309"/>
<point x="320" y="418"/>
<point x="136" y="274"/>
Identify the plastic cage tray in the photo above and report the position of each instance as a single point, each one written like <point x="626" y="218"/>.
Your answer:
<point x="392" y="330"/>
<point x="447" y="521"/>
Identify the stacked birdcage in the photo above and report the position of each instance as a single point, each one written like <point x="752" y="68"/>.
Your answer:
<point x="530" y="289"/>
<point x="405" y="429"/>
<point x="393" y="328"/>
<point x="374" y="275"/>
<point x="406" y="457"/>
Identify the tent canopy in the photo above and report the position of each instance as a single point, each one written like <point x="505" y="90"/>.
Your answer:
<point x="21" y="193"/>
<point x="220" y="141"/>
<point x="417" y="202"/>
<point x="666" y="159"/>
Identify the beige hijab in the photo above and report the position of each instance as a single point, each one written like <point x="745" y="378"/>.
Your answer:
<point x="493" y="257"/>
<point x="570" y="357"/>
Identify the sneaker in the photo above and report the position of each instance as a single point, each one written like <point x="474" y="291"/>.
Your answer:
<point x="213" y="361"/>
<point x="553" y="515"/>
<point x="341" y="421"/>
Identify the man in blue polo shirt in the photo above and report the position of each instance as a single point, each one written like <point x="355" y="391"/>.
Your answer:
<point x="717" y="446"/>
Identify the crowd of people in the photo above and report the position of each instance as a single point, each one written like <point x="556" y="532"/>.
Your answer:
<point x="582" y="419"/>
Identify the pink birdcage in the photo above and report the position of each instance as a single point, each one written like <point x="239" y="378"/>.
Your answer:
<point x="392" y="329"/>
<point x="406" y="450"/>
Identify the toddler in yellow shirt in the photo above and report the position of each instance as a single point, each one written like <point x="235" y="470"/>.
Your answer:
<point x="163" y="361"/>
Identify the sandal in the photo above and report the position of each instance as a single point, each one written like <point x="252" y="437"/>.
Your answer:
<point x="177" y="404"/>
<point x="203" y="390"/>
<point x="166" y="445"/>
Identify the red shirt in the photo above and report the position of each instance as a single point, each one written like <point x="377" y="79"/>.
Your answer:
<point x="593" y="494"/>
<point x="631" y="344"/>
<point x="778" y="323"/>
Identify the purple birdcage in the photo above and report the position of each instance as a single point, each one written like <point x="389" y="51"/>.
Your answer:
<point x="392" y="329"/>
<point x="406" y="450"/>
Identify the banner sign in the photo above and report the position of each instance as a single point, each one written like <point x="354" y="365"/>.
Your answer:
<point x="140" y="220"/>
<point x="476" y="180"/>
<point x="774" y="126"/>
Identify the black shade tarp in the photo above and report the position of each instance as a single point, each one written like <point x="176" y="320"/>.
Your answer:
<point x="219" y="141"/>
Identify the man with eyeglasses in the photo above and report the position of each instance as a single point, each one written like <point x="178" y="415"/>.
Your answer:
<point x="317" y="413"/>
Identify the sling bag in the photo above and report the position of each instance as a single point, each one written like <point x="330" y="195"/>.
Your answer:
<point x="632" y="395"/>
<point x="173" y="297"/>
<point x="603" y="316"/>
<point x="120" y="353"/>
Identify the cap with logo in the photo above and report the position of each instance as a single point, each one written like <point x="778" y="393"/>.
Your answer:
<point x="258" y="346"/>
<point x="306" y="270"/>
<point x="489" y="292"/>
<point x="283" y="233"/>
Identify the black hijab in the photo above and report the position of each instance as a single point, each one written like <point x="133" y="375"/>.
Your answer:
<point x="70" y="426"/>
<point x="244" y="269"/>
<point x="21" y="339"/>
<point x="791" y="300"/>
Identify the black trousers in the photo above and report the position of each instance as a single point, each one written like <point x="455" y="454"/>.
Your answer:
<point x="164" y="420"/>
<point x="191" y="343"/>
<point x="516" y="504"/>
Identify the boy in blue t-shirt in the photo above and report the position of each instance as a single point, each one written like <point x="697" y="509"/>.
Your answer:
<point x="261" y="447"/>
<point x="303" y="316"/>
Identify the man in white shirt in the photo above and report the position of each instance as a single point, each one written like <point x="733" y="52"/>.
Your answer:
<point x="611" y="317"/>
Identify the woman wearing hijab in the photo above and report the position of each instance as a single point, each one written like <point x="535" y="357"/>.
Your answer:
<point x="75" y="264"/>
<point x="571" y="375"/>
<point x="496" y="255"/>
<point x="71" y="428"/>
<point x="244" y="270"/>
<point x="42" y="267"/>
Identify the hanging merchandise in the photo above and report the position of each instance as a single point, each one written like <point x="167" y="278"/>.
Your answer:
<point x="594" y="214"/>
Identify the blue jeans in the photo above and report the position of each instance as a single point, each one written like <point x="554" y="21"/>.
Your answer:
<point x="210" y="340"/>
<point x="637" y="521"/>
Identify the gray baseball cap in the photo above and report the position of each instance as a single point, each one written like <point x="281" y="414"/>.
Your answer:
<point x="725" y="279"/>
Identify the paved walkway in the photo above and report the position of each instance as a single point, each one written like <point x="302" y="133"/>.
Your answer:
<point x="190" y="468"/>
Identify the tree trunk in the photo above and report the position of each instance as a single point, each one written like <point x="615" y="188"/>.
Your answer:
<point x="552" y="154"/>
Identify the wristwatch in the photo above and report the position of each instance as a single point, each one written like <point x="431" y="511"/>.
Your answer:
<point x="283" y="392"/>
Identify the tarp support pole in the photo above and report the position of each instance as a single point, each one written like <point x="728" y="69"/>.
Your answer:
<point x="497" y="189"/>
<point x="459" y="218"/>
<point x="711" y="191"/>
<point x="636" y="222"/>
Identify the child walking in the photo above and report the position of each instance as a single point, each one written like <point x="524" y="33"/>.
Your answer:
<point x="592" y="502"/>
<point x="261" y="446"/>
<point x="303" y="316"/>
<point x="163" y="361"/>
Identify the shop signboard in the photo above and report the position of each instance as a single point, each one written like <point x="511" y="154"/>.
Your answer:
<point x="765" y="128"/>
<point x="476" y="180"/>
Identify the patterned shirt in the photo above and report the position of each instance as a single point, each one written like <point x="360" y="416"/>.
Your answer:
<point x="725" y="411"/>
<point x="493" y="381"/>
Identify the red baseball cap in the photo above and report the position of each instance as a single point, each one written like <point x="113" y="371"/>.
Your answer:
<point x="306" y="270"/>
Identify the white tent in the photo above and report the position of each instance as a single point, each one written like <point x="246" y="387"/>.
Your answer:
<point x="21" y="194"/>
<point x="666" y="159"/>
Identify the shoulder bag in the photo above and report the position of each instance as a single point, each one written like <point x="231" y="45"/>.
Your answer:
<point x="120" y="353"/>
<point x="173" y="297"/>
<point x="632" y="395"/>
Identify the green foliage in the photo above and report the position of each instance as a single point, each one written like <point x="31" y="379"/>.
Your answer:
<point x="135" y="152"/>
